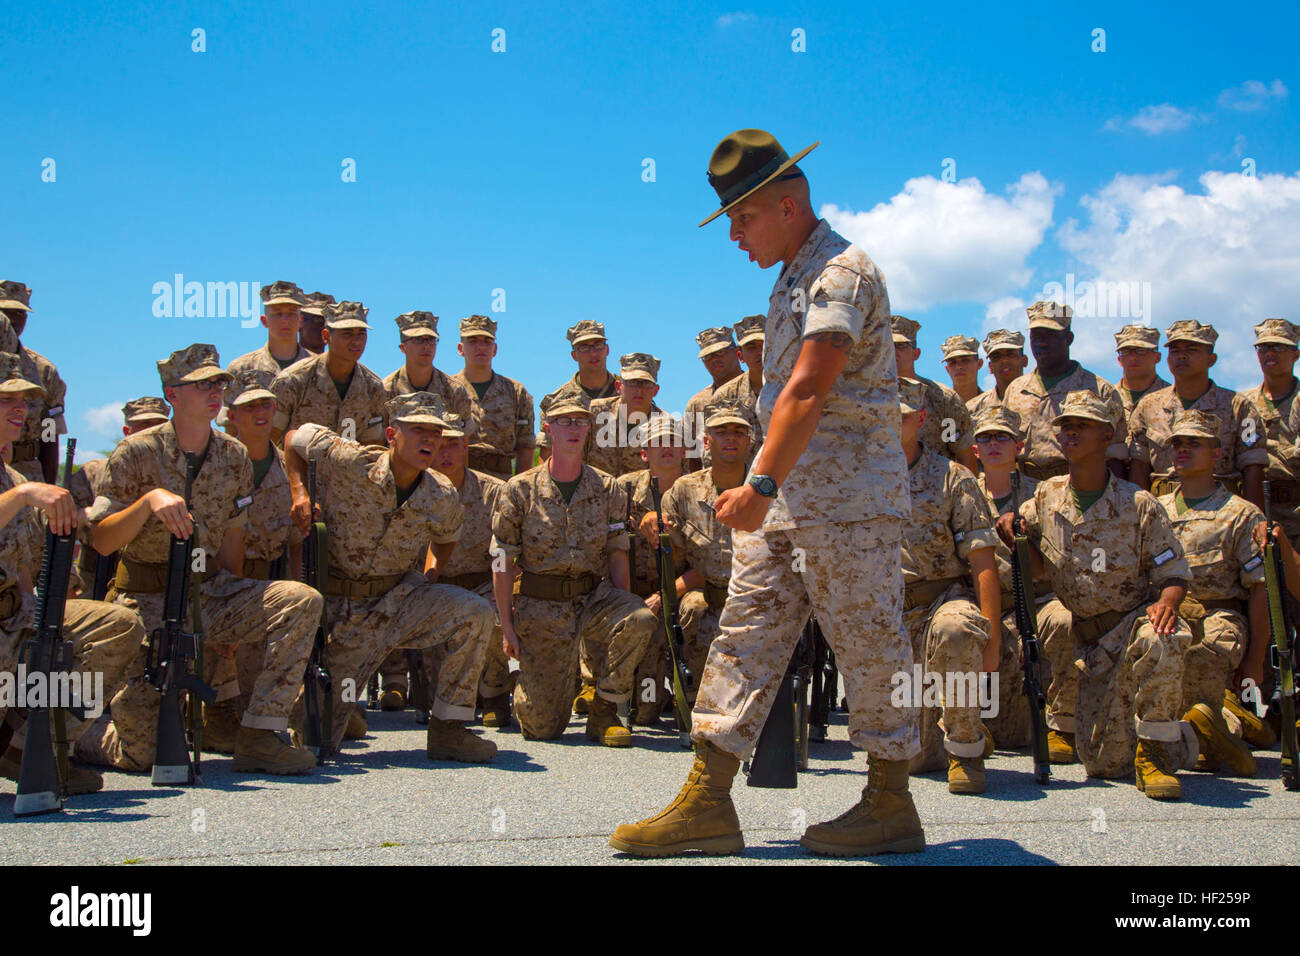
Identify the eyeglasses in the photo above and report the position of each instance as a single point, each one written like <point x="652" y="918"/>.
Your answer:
<point x="208" y="384"/>
<point x="1132" y="351"/>
<point x="568" y="422"/>
<point x="1274" y="347"/>
<point x="589" y="347"/>
<point x="988" y="438"/>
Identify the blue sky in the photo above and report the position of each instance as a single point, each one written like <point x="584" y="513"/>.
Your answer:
<point x="522" y="170"/>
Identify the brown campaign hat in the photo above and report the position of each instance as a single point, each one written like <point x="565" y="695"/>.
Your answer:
<point x="250" y="385"/>
<point x="750" y="328"/>
<point x="744" y="162"/>
<point x="346" y="315"/>
<point x="282" y="293"/>
<point x="1049" y="315"/>
<point x="146" y="409"/>
<point x="905" y="329"/>
<point x="911" y="395"/>
<point x="569" y="400"/>
<point x="456" y="427"/>
<point x="1194" y="423"/>
<point x="997" y="418"/>
<point x="12" y="379"/>
<point x="1000" y="339"/>
<point x="478" y="325"/>
<point x="418" y="408"/>
<point x="1137" y="337"/>
<point x="1189" y="330"/>
<point x="196" y="363"/>
<point x="315" y="303"/>
<point x="417" y="325"/>
<point x="724" y="413"/>
<point x="1277" y="331"/>
<point x="1084" y="404"/>
<point x="658" y="431"/>
<point x="715" y="340"/>
<point x="955" y="346"/>
<point x="639" y="366"/>
<point x="586" y="330"/>
<point x="15" y="295"/>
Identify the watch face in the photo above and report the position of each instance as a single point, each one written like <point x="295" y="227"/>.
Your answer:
<point x="764" y="485"/>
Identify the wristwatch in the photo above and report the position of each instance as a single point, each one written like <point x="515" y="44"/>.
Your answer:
<point x="764" y="485"/>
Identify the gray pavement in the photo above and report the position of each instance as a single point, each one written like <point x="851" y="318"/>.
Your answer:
<point x="383" y="802"/>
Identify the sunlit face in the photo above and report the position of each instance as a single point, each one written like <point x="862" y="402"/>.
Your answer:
<point x="283" y="320"/>
<point x="1051" y="347"/>
<point x="415" y="444"/>
<point x="1275" y="358"/>
<point x="728" y="444"/>
<point x="568" y="431"/>
<point x="1083" y="437"/>
<point x="197" y="399"/>
<point x="419" y="350"/>
<point x="964" y="370"/>
<point x="1137" y="362"/>
<point x="1007" y="365"/>
<point x="590" y="354"/>
<point x="1190" y="359"/>
<point x="477" y="349"/>
<point x="453" y="455"/>
<point x="1194" y="457"/>
<point x="350" y="343"/>
<point x="253" y="419"/>
<point x="997" y="449"/>
<point x="757" y="228"/>
<point x="13" y="414"/>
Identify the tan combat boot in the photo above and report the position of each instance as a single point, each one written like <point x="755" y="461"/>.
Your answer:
<point x="261" y="750"/>
<point x="701" y="818"/>
<point x="1060" y="747"/>
<point x="883" y="821"/>
<point x="220" y="727"/>
<point x="1217" y="743"/>
<point x="496" y="711"/>
<point x="582" y="703"/>
<point x="393" y="698"/>
<point x="965" y="774"/>
<point x="1155" y="771"/>
<point x="452" y="740"/>
<point x="1254" y="731"/>
<point x="603" y="724"/>
<point x="81" y="780"/>
<point x="356" y="728"/>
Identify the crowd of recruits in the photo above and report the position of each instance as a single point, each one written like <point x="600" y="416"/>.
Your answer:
<point x="1132" y="685"/>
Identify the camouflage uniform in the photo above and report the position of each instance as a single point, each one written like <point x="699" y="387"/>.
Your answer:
<point x="1281" y="418"/>
<point x="552" y="540"/>
<point x="710" y="340"/>
<point x="947" y="420"/>
<point x="740" y="391"/>
<point x="609" y="445"/>
<point x="502" y="418"/>
<point x="584" y="331"/>
<point x="842" y="512"/>
<point x="653" y="669"/>
<point x="455" y="397"/>
<point x="998" y="340"/>
<point x="261" y="360"/>
<point x="35" y="367"/>
<point x="1139" y="337"/>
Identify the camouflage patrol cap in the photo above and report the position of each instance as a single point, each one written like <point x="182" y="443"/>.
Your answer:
<point x="955" y="346"/>
<point x="1194" y="423"/>
<point x="15" y="295"/>
<point x="1137" y="337"/>
<point x="315" y="303"/>
<point x="658" y="431"/>
<point x="569" y="400"/>
<point x="478" y="325"/>
<point x="1049" y="315"/>
<point x="196" y="363"/>
<point x="1084" y="404"/>
<point x="542" y="439"/>
<point x="911" y="395"/>
<point x="146" y="409"/>
<point x="12" y="379"/>
<point x="1189" y="330"/>
<point x="453" y="426"/>
<point x="1000" y="339"/>
<point x="639" y="366"/>
<point x="346" y="315"/>
<point x="282" y="293"/>
<point x="586" y="330"/>
<point x="418" y="408"/>
<point x="905" y="330"/>
<point x="250" y="385"/>
<point x="715" y="340"/>
<point x="725" y="413"/>
<point x="997" y="418"/>
<point x="1277" y="331"/>
<point x="417" y="325"/>
<point x="750" y="329"/>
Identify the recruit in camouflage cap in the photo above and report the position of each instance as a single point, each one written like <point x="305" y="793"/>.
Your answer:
<point x="715" y="340"/>
<point x="997" y="418"/>
<point x="1194" y="423"/>
<point x="659" y="430"/>
<point x="146" y="409"/>
<point x="750" y="328"/>
<point x="1084" y="404"/>
<point x="1277" y="331"/>
<point x="346" y="315"/>
<point x="1190" y="330"/>
<point x="196" y="363"/>
<point x="12" y="379"/>
<point x="542" y="439"/>
<point x="315" y="303"/>
<point x="1049" y="315"/>
<point x="639" y="366"/>
<point x="955" y="346"/>
<point x="1000" y="339"/>
<point x="15" y="295"/>
<point x="905" y="330"/>
<point x="418" y="408"/>
<point x="586" y="330"/>
<point x="911" y="395"/>
<point x="478" y="325"/>
<point x="453" y="426"/>
<point x="566" y="401"/>
<point x="724" y="413"/>
<point x="1137" y="337"/>
<point x="250" y="385"/>
<point x="282" y="293"/>
<point x="417" y="325"/>
<point x="8" y="337"/>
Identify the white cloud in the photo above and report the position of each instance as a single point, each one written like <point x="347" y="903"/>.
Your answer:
<point x="951" y="242"/>
<point x="1155" y="120"/>
<point x="727" y="19"/>
<point x="1252" y="95"/>
<point x="104" y="419"/>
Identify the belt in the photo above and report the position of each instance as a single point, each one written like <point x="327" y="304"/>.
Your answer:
<point x="715" y="595"/>
<point x="491" y="461"/>
<point x="1284" y="492"/>
<point x="555" y="587"/>
<point x="145" y="578"/>
<point x="1089" y="630"/>
<point x="259" y="569"/>
<point x="11" y="599"/>
<point x="921" y="593"/>
<point x="360" y="589"/>
<point x="1043" y="472"/>
<point x="26" y="450"/>
<point x="470" y="581"/>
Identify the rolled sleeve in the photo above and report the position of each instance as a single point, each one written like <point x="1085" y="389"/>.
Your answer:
<point x="617" y="538"/>
<point x="831" y="316"/>
<point x="1249" y="559"/>
<point x="313" y="441"/>
<point x="977" y="540"/>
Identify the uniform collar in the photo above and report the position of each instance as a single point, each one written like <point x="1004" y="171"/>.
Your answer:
<point x="799" y="263"/>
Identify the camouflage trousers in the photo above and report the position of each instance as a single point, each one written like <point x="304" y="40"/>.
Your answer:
<point x="1130" y="686"/>
<point x="948" y="639"/>
<point x="699" y="627"/>
<point x="1011" y="726"/>
<point x="1056" y="647"/>
<point x="550" y="636"/>
<point x="1219" y="643"/>
<point x="494" y="681"/>
<point x="105" y="639"/>
<point x="414" y="614"/>
<point x="849" y="577"/>
<point x="278" y="615"/>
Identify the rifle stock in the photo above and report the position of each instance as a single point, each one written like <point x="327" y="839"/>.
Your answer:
<point x="1027" y="624"/>
<point x="318" y="687"/>
<point x="1282" y="650"/>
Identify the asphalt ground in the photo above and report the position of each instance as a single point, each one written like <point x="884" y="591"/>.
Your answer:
<point x="382" y="802"/>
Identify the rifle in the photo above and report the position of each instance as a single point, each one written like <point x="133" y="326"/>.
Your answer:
<point x="774" y="763"/>
<point x="318" y="687"/>
<point x="105" y="569"/>
<point x="825" y="681"/>
<point x="1022" y="584"/>
<point x="43" y="776"/>
<point x="1282" y="650"/>
<point x="683" y="679"/>
<point x="170" y="664"/>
